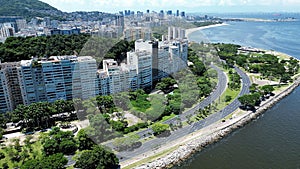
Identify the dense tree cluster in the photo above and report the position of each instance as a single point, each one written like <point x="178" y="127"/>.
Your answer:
<point x="235" y="80"/>
<point x="39" y="115"/>
<point x="100" y="130"/>
<point x="166" y="84"/>
<point x="201" y="24"/>
<point x="268" y="65"/>
<point x="249" y="101"/>
<point x="99" y="157"/>
<point x="20" y="48"/>
<point x="105" y="104"/>
<point x="55" y="145"/>
<point x="198" y="67"/>
<point x="101" y="109"/>
<point x="257" y="94"/>
<point x="159" y="128"/>
<point x="173" y="103"/>
<point x="84" y="141"/>
<point x="59" y="142"/>
<point x="120" y="49"/>
<point x="30" y="156"/>
<point x="57" y="161"/>
<point x="28" y="9"/>
<point x="205" y="86"/>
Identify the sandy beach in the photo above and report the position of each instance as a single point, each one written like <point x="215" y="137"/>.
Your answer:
<point x="189" y="31"/>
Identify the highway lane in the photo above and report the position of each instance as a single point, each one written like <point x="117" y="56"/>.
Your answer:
<point x="221" y="86"/>
<point x="149" y="145"/>
<point x="228" y="109"/>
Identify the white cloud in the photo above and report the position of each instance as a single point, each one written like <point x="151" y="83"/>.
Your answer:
<point x="116" y="5"/>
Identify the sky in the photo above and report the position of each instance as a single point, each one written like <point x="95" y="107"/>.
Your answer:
<point x="190" y="6"/>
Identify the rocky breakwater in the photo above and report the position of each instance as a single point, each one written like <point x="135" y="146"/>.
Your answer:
<point x="184" y="152"/>
<point x="196" y="145"/>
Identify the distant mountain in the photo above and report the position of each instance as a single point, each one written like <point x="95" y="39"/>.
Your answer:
<point x="28" y="9"/>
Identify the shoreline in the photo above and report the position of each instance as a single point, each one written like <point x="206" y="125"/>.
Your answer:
<point x="189" y="31"/>
<point x="197" y="144"/>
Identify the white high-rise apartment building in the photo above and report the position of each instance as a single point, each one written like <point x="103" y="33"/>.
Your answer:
<point x="59" y="77"/>
<point x="6" y="101"/>
<point x="86" y="68"/>
<point x="143" y="62"/>
<point x="136" y="33"/>
<point x="176" y="33"/>
<point x="6" y="30"/>
<point x="69" y="77"/>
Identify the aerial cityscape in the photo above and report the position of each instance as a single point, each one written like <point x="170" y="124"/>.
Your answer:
<point x="149" y="84"/>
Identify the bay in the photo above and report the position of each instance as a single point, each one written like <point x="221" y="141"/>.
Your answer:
<point x="273" y="140"/>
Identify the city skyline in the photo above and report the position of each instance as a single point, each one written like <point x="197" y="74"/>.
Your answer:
<point x="213" y="6"/>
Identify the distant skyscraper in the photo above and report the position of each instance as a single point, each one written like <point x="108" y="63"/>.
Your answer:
<point x="127" y="12"/>
<point x="161" y="14"/>
<point x="119" y="21"/>
<point x="136" y="33"/>
<point x="169" y="12"/>
<point x="175" y="33"/>
<point x="148" y="11"/>
<point x="139" y="14"/>
<point x="182" y="14"/>
<point x="177" y="13"/>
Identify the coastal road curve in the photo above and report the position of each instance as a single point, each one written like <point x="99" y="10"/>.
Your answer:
<point x="221" y="86"/>
<point x="219" y="89"/>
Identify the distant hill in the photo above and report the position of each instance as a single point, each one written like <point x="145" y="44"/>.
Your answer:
<point x="28" y="9"/>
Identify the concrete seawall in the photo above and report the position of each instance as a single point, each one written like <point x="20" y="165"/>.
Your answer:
<point x="196" y="145"/>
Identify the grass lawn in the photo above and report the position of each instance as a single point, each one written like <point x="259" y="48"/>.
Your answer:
<point x="36" y="151"/>
<point x="228" y="92"/>
<point x="165" y="118"/>
<point x="141" y="103"/>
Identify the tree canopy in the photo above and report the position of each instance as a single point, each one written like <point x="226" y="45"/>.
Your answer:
<point x="28" y="9"/>
<point x="268" y="65"/>
<point x="159" y="128"/>
<point x="59" y="142"/>
<point x="57" y="161"/>
<point x="20" y="48"/>
<point x="97" y="158"/>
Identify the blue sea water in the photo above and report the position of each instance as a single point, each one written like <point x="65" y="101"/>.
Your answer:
<point x="280" y="36"/>
<point x="273" y="140"/>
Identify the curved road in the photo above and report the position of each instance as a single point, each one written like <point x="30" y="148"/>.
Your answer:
<point x="228" y="109"/>
<point x="221" y="86"/>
